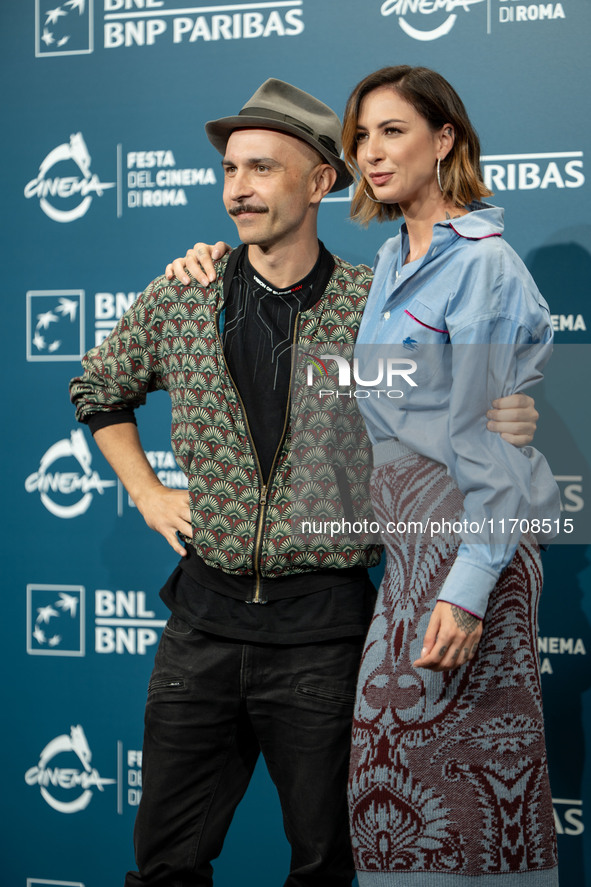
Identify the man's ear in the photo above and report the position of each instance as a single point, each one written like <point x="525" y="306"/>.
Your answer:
<point x="324" y="177"/>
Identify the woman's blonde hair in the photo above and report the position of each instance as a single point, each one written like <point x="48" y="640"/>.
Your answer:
<point x="437" y="102"/>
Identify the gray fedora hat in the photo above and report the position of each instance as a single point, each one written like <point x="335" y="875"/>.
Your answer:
<point x="280" y="106"/>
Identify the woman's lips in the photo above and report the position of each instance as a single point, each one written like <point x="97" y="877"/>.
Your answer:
<point x="380" y="178"/>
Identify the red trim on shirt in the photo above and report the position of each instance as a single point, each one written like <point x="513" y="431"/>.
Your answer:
<point x="467" y="237"/>
<point x="434" y="328"/>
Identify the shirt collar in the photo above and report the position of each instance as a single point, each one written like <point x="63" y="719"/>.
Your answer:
<point x="483" y="220"/>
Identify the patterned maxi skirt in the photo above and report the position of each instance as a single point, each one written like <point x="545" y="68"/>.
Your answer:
<point x="449" y="783"/>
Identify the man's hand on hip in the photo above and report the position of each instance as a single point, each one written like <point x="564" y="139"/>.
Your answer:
<point x="164" y="510"/>
<point x="167" y="511"/>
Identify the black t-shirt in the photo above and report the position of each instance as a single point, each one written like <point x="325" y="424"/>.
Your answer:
<point x="331" y="613"/>
<point x="258" y="330"/>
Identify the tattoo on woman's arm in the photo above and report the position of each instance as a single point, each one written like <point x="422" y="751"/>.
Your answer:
<point x="466" y="621"/>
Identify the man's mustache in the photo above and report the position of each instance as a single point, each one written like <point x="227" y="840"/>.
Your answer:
<point x="247" y="208"/>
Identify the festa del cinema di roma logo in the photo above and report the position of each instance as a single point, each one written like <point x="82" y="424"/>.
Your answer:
<point x="57" y="488"/>
<point x="508" y="12"/>
<point x="426" y="7"/>
<point x="63" y="196"/>
<point x="67" y="788"/>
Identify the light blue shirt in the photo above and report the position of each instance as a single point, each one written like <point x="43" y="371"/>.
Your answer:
<point x="470" y="317"/>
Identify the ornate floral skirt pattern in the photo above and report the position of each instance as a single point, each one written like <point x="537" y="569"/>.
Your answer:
<point x="449" y="781"/>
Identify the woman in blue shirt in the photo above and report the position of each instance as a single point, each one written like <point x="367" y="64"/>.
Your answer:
<point x="448" y="773"/>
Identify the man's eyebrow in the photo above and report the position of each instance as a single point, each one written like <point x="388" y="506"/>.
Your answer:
<point x="253" y="161"/>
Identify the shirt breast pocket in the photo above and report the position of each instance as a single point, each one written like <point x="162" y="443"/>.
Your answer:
<point x="423" y="336"/>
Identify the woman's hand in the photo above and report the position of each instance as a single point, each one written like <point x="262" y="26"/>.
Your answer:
<point x="514" y="418"/>
<point x="198" y="262"/>
<point x="451" y="638"/>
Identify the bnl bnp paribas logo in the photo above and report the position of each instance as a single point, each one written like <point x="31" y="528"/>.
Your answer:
<point x="67" y="28"/>
<point x="63" y="29"/>
<point x="55" y="325"/>
<point x="56" y="621"/>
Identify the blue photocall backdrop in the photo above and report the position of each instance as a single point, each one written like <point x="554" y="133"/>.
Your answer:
<point x="106" y="175"/>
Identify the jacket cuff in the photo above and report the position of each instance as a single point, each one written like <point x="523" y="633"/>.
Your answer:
<point x="112" y="417"/>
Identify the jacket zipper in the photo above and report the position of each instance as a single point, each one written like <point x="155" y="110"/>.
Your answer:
<point x="264" y="487"/>
<point x="263" y="499"/>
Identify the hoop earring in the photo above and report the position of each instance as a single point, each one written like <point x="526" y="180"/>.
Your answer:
<point x="439" y="174"/>
<point x="370" y="197"/>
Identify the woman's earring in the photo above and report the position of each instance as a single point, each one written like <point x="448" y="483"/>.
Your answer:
<point x="370" y="197"/>
<point x="439" y="174"/>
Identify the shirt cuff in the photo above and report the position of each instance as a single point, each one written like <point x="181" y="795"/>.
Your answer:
<point x="468" y="586"/>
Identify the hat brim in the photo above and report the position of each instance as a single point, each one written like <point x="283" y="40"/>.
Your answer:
<point x="218" y="133"/>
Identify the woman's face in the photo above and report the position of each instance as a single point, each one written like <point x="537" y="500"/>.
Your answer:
<point x="397" y="150"/>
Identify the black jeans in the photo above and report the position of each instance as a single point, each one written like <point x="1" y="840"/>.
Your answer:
<point x="213" y="705"/>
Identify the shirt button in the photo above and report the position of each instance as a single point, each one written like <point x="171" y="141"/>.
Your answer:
<point x="386" y="315"/>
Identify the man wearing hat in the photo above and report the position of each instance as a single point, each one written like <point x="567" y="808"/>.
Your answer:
<point x="261" y="651"/>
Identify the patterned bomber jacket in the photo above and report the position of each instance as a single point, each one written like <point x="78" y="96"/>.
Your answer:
<point x="170" y="339"/>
